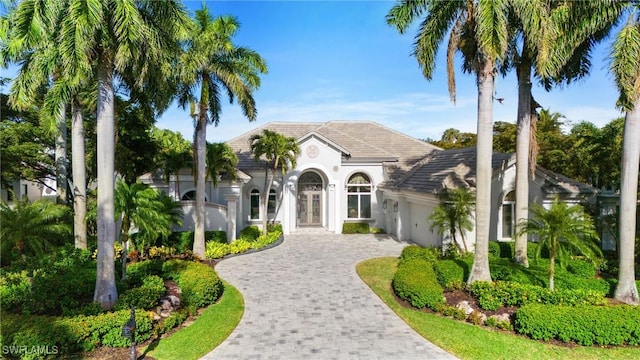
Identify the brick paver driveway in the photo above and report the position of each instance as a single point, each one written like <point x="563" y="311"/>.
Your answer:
<point x="304" y="300"/>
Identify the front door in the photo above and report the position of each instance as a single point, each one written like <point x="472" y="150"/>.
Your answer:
<point x="310" y="208"/>
<point x="310" y="200"/>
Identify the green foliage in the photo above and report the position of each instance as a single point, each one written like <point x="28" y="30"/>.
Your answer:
<point x="199" y="283"/>
<point x="415" y="281"/>
<point x="73" y="334"/>
<point x="274" y="228"/>
<point x="182" y="241"/>
<point x="418" y="252"/>
<point x="216" y="250"/>
<point x="585" y="325"/>
<point x="502" y="249"/>
<point x="220" y="160"/>
<point x="355" y="228"/>
<point x="144" y="297"/>
<point x="453" y="215"/>
<point x="31" y="229"/>
<point x="375" y="230"/>
<point x="250" y="232"/>
<point x="136" y="272"/>
<point x="451" y="274"/>
<point x="582" y="269"/>
<point x="174" y="320"/>
<point x="492" y="296"/>
<point x="502" y="325"/>
<point x="15" y="290"/>
<point x="452" y="311"/>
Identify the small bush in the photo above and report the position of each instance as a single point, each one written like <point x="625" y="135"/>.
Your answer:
<point x="451" y="273"/>
<point x="452" y="311"/>
<point x="136" y="272"/>
<point x="250" y="233"/>
<point x="585" y="325"/>
<point x="144" y="297"/>
<point x="240" y="246"/>
<point x="199" y="283"/>
<point x="417" y="252"/>
<point x="501" y="249"/>
<point x="415" y="281"/>
<point x="15" y="290"/>
<point x="274" y="228"/>
<point x="582" y="269"/>
<point x="174" y="320"/>
<point x="355" y="228"/>
<point x="214" y="250"/>
<point x="375" y="230"/>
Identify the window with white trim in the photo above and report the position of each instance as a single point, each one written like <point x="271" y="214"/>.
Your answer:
<point x="255" y="204"/>
<point x="271" y="203"/>
<point x="508" y="215"/>
<point x="359" y="197"/>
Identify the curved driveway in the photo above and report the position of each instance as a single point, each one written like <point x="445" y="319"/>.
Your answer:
<point x="304" y="300"/>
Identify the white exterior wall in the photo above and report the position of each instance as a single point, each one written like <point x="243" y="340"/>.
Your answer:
<point x="215" y="217"/>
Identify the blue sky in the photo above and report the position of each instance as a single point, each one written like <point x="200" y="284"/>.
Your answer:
<point x="339" y="60"/>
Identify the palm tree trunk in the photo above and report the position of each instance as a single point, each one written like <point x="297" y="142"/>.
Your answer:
<point x="268" y="180"/>
<point x="61" y="155"/>
<point x="480" y="269"/>
<point x="626" y="291"/>
<point x="201" y="141"/>
<point x="552" y="268"/>
<point x="522" y="156"/>
<point x="105" y="293"/>
<point x="79" y="177"/>
<point x="124" y="237"/>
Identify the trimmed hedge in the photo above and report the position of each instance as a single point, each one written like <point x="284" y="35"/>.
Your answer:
<point x="145" y="296"/>
<point x="355" y="228"/>
<point x="69" y="335"/>
<point x="241" y="245"/>
<point x="199" y="283"/>
<point x="451" y="274"/>
<point x="585" y="325"/>
<point x="250" y="233"/>
<point x="492" y="296"/>
<point x="418" y="252"/>
<point x="502" y="249"/>
<point x="183" y="240"/>
<point x="415" y="281"/>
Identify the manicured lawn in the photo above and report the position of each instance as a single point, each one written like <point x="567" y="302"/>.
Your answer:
<point x="210" y="329"/>
<point x="467" y="341"/>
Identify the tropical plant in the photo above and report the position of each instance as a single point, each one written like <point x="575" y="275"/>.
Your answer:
<point x="279" y="152"/>
<point x="562" y="229"/>
<point x="220" y="160"/>
<point x="210" y="65"/>
<point x="479" y="31"/>
<point x="31" y="228"/>
<point x="175" y="153"/>
<point x="454" y="215"/>
<point x="625" y="67"/>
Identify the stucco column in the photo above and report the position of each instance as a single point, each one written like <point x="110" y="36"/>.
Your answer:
<point x="232" y="211"/>
<point x="173" y="189"/>
<point x="404" y="219"/>
<point x="331" y="207"/>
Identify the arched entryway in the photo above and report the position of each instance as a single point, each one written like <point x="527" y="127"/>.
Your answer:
<point x="310" y="199"/>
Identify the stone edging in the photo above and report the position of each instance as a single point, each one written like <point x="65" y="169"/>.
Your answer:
<point x="279" y="241"/>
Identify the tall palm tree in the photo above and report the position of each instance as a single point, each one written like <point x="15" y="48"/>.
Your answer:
<point x="625" y="67"/>
<point x="479" y="31"/>
<point x="30" y="228"/>
<point x="454" y="215"/>
<point x="117" y="37"/>
<point x="561" y="229"/>
<point x="220" y="160"/>
<point x="554" y="41"/>
<point x="279" y="153"/>
<point x="146" y="210"/>
<point x="210" y="65"/>
<point x="175" y="154"/>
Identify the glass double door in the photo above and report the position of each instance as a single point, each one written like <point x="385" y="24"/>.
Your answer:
<point x="310" y="208"/>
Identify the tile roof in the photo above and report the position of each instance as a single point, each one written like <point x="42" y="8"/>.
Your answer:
<point x="450" y="168"/>
<point x="363" y="140"/>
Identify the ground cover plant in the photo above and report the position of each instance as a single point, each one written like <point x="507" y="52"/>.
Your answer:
<point x="474" y="342"/>
<point x="250" y="239"/>
<point x="521" y="300"/>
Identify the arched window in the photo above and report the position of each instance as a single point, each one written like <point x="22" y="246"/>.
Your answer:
<point x="191" y="195"/>
<point x="271" y="204"/>
<point x="508" y="215"/>
<point x="359" y="197"/>
<point x="255" y="204"/>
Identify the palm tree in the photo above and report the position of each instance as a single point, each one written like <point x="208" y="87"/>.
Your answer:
<point x="210" y="65"/>
<point x="625" y="67"/>
<point x="175" y="154"/>
<point x="221" y="160"/>
<point x="117" y="37"/>
<point x="557" y="47"/>
<point x="454" y="215"/>
<point x="479" y="31"/>
<point x="279" y="153"/>
<point x="30" y="228"/>
<point x="146" y="210"/>
<point x="560" y="229"/>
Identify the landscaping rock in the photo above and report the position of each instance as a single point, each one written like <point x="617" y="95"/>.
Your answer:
<point x="166" y="304"/>
<point x="165" y="313"/>
<point x="501" y="317"/>
<point x="464" y="305"/>
<point x="175" y="301"/>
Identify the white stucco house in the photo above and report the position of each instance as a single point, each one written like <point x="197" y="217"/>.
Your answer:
<point x="358" y="171"/>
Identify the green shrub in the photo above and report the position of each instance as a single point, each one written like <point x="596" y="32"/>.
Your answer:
<point x="415" y="281"/>
<point x="15" y="290"/>
<point x="418" y="252"/>
<point x="265" y="240"/>
<point x="71" y="335"/>
<point x="355" y="228"/>
<point x="144" y="297"/>
<point x="452" y="311"/>
<point x="274" y="228"/>
<point x="451" y="274"/>
<point x="585" y="325"/>
<point x="240" y="246"/>
<point x="582" y="269"/>
<point x="136" y="272"/>
<point x="174" y="320"/>
<point x="375" y="230"/>
<point x="492" y="296"/>
<point x="61" y="289"/>
<point x="199" y="283"/>
<point x="501" y="249"/>
<point x="250" y="233"/>
<point x="214" y="250"/>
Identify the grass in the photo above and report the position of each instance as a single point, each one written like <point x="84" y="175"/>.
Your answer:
<point x="467" y="341"/>
<point x="209" y="330"/>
